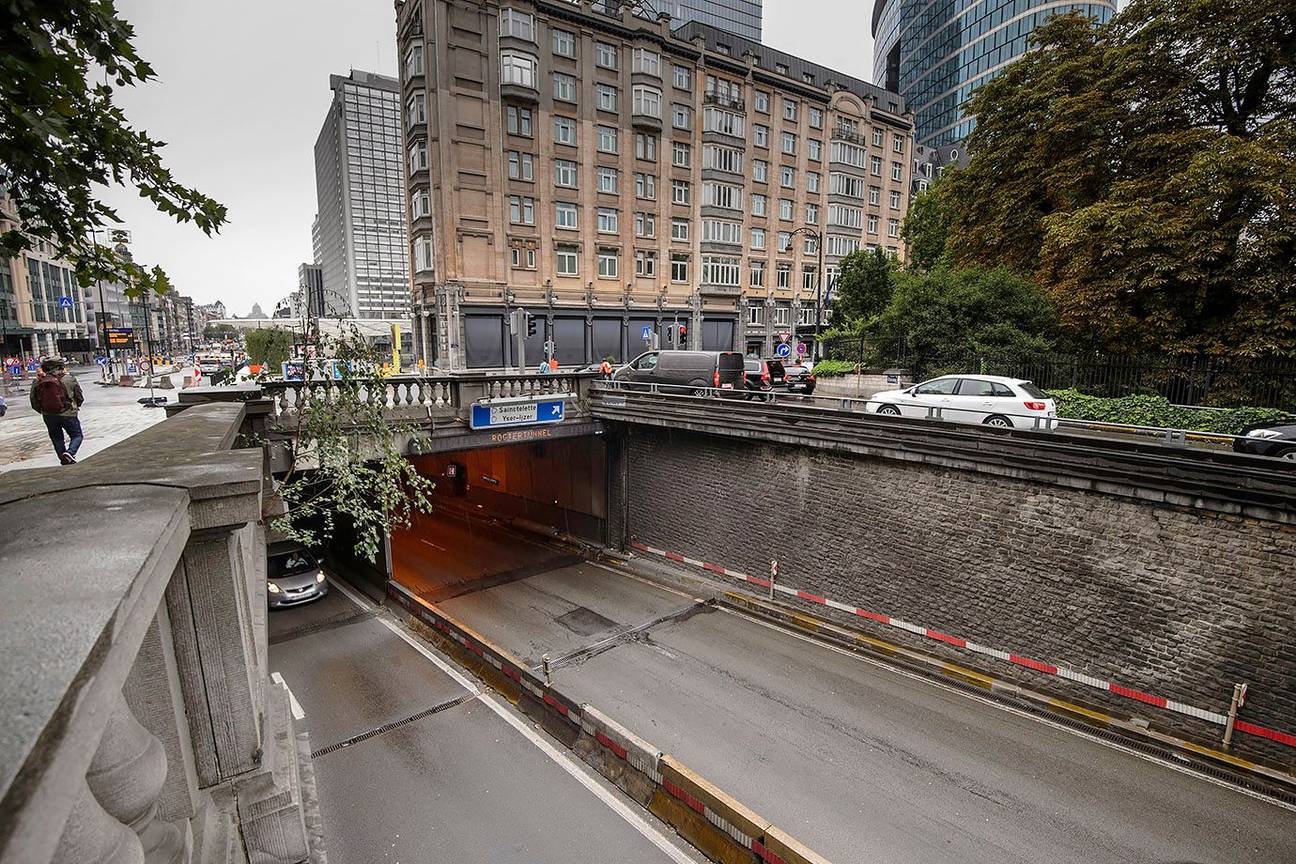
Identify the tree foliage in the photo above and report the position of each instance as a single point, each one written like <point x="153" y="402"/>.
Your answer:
<point x="347" y="458"/>
<point x="269" y="346"/>
<point x="926" y="228"/>
<point x="863" y="286"/>
<point x="219" y="331"/>
<point x="1145" y="172"/>
<point x="61" y="134"/>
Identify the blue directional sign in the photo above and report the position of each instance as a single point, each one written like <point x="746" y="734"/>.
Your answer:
<point x="782" y="349"/>
<point x="498" y="414"/>
<point x="102" y="361"/>
<point x="647" y="332"/>
<point x="65" y="302"/>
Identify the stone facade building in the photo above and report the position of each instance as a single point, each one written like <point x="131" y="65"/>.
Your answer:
<point x="609" y="174"/>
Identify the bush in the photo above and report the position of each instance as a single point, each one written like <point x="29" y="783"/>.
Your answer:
<point x="1157" y="411"/>
<point x="833" y="368"/>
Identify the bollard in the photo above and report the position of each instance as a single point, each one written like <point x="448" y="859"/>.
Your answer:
<point x="544" y="664"/>
<point x="1239" y="699"/>
<point x="773" y="576"/>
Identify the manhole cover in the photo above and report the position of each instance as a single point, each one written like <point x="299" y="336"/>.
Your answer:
<point x="586" y="622"/>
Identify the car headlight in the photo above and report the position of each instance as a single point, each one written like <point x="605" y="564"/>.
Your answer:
<point x="1264" y="433"/>
<point x="319" y="577"/>
<point x="274" y="589"/>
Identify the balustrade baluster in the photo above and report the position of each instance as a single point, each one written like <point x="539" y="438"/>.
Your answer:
<point x="92" y="836"/>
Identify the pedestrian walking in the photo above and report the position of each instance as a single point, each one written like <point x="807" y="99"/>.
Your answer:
<point x="57" y="397"/>
<point x="553" y="364"/>
<point x="605" y="369"/>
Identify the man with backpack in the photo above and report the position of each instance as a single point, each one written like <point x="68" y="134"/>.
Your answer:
<point x="57" y="397"/>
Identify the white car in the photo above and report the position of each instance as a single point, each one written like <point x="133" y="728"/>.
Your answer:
<point x="989" y="399"/>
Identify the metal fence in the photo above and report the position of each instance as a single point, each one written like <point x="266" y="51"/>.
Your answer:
<point x="1184" y="380"/>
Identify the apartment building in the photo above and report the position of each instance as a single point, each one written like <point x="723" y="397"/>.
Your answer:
<point x="613" y="175"/>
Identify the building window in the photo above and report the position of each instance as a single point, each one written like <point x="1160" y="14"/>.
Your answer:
<point x="758" y="238"/>
<point x="523" y="259"/>
<point x="872" y="224"/>
<point x="605" y="96"/>
<point x="784" y="242"/>
<point x="812" y="214"/>
<point x="607" y="139"/>
<point x="816" y="118"/>
<point x="816" y="149"/>
<point x="721" y="231"/>
<point x="760" y="170"/>
<point x="897" y="170"/>
<point x="847" y="153"/>
<point x="647" y="101"/>
<point x="789" y="110"/>
<point x="420" y="204"/>
<point x="413" y="61"/>
<point x="520" y="165"/>
<point x="607" y="220"/>
<point x="812" y="181"/>
<point x="842" y="246"/>
<point x="757" y="279"/>
<point x="846" y="217"/>
<point x="807" y="279"/>
<point x="647" y="62"/>
<point x="786" y="176"/>
<point x="758" y="204"/>
<point x="760" y="135"/>
<point x="518" y="121"/>
<point x="422" y="253"/>
<point x="564" y="131"/>
<point x="755" y="313"/>
<point x="518" y="68"/>
<point x="416" y="108"/>
<point x="811" y="244"/>
<point x="846" y="184"/>
<point x="518" y="24"/>
<point x="877" y="137"/>
<point x="521" y="210"/>
<point x="605" y="55"/>
<point x="681" y="116"/>
<point x="785" y="208"/>
<point x="681" y="154"/>
<point x="418" y="158"/>
<point x="679" y="267"/>
<point x="608" y="263"/>
<point x="565" y="215"/>
<point x="895" y="200"/>
<point x="568" y="260"/>
<point x="645" y="147"/>
<point x="718" y="120"/>
<point x="645" y="225"/>
<point x="722" y="158"/>
<point x="680" y="230"/>
<point x="761" y="102"/>
<point x="564" y="87"/>
<point x="609" y="180"/>
<point x="565" y="173"/>
<point x="682" y="78"/>
<point x="875" y="166"/>
<point x="789" y="143"/>
<point x="717" y="270"/>
<point x="646" y="186"/>
<point x="875" y="195"/>
<point x="645" y="263"/>
<point x="784" y="281"/>
<point x="897" y="143"/>
<point x="564" y="43"/>
<point x="680" y="192"/>
<point x="722" y="195"/>
<point x="893" y="227"/>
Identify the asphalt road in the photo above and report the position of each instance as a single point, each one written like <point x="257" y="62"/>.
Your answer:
<point x="460" y="776"/>
<point x="862" y="762"/>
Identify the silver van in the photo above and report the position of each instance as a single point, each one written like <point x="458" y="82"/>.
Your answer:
<point x="686" y="369"/>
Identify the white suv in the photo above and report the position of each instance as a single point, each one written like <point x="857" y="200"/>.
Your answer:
<point x="988" y="399"/>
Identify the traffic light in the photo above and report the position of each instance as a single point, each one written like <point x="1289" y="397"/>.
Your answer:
<point x="531" y="324"/>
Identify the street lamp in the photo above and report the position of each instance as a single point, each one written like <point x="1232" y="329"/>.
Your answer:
<point x="819" y="282"/>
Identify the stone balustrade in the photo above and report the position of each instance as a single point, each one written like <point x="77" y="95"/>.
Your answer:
<point x="139" y="724"/>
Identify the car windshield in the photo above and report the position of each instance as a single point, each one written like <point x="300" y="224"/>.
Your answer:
<point x="1032" y="391"/>
<point x="290" y="563"/>
<point x="753" y="365"/>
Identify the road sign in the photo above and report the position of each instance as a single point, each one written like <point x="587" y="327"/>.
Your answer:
<point x="121" y="337"/>
<point x="496" y="414"/>
<point x="801" y="349"/>
<point x="65" y="302"/>
<point x="102" y="361"/>
<point x="784" y="336"/>
<point x="782" y="349"/>
<point x="647" y="332"/>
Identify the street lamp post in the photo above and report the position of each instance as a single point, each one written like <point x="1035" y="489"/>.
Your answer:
<point x="819" y="282"/>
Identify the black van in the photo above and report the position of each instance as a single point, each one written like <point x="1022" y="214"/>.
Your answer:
<point x="696" y="369"/>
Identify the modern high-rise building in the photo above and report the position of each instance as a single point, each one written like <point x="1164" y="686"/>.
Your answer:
<point x="614" y="175"/>
<point x="936" y="54"/>
<point x="359" y="231"/>
<point x="42" y="308"/>
<point x="740" y="17"/>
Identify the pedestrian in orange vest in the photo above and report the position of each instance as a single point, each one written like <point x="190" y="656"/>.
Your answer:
<point x="553" y="364"/>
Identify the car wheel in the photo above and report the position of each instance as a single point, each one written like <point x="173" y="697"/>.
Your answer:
<point x="889" y="410"/>
<point x="998" y="422"/>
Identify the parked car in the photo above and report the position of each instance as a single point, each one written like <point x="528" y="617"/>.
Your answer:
<point x="293" y="575"/>
<point x="987" y="399"/>
<point x="696" y="369"/>
<point x="763" y="377"/>
<point x="1269" y="439"/>
<point x="799" y="379"/>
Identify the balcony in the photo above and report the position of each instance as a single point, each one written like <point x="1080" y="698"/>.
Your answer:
<point x="723" y="100"/>
<point x="841" y="133"/>
<point x="642" y="117"/>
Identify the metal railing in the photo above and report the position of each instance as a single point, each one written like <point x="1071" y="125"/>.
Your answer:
<point x="722" y="100"/>
<point x="840" y="133"/>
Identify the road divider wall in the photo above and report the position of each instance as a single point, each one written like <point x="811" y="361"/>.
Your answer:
<point x="715" y="823"/>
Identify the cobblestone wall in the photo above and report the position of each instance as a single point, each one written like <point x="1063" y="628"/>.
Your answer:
<point x="1174" y="602"/>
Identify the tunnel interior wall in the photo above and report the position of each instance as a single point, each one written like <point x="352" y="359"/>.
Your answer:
<point x="1174" y="602"/>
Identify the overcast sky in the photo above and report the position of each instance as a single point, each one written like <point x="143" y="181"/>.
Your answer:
<point x="242" y="91"/>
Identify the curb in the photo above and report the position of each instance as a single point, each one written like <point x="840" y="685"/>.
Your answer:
<point x="714" y="823"/>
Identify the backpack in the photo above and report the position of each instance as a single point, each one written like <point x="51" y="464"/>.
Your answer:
<point x="52" y="396"/>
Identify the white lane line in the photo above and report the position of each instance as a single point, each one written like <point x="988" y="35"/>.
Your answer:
<point x="1076" y="733"/>
<point x="433" y="545"/>
<point x="565" y="761"/>
<point x="297" y="712"/>
<point x="578" y="771"/>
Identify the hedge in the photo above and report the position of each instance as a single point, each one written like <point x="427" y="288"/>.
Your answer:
<point x="833" y="368"/>
<point x="1157" y="411"/>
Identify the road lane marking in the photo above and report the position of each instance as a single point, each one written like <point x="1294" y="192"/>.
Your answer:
<point x="433" y="545"/>
<point x="297" y="712"/>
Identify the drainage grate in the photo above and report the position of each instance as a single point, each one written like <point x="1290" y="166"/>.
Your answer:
<point x="395" y="724"/>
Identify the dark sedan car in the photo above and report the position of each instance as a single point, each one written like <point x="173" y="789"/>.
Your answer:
<point x="799" y="379"/>
<point x="293" y="575"/>
<point x="1271" y="439"/>
<point x="763" y="377"/>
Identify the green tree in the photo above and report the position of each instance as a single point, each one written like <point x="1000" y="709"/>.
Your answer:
<point x="269" y="346"/>
<point x="863" y="286"/>
<point x="61" y="134"/>
<point x="926" y="228"/>
<point x="219" y="331"/>
<point x="1143" y="172"/>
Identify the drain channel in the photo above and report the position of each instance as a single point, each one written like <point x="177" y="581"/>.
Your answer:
<point x="395" y="724"/>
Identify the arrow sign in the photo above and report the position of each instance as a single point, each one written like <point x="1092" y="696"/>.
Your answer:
<point x="516" y="414"/>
